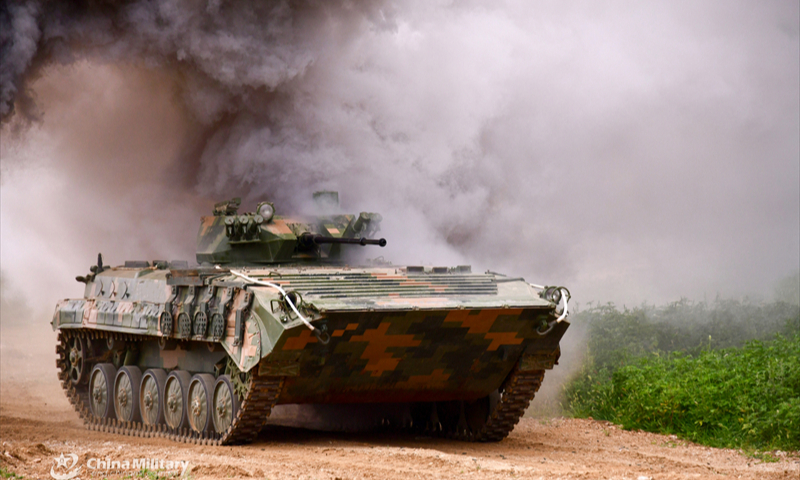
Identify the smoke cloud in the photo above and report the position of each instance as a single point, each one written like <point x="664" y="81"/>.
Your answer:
<point x="632" y="152"/>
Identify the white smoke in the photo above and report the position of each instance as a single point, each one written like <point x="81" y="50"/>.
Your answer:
<point x="629" y="151"/>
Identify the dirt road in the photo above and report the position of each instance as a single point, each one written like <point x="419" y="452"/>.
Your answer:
<point x="37" y="426"/>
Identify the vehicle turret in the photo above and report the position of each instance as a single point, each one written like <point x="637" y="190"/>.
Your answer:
<point x="261" y="236"/>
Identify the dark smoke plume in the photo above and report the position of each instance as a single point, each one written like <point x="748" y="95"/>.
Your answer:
<point x="232" y="52"/>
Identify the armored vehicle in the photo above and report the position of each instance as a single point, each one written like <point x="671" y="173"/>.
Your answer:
<point x="272" y="314"/>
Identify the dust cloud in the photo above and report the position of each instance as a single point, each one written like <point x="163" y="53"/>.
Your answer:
<point x="633" y="152"/>
<point x="98" y="176"/>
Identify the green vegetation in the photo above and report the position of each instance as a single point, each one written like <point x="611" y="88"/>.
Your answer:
<point x="5" y="473"/>
<point x="724" y="375"/>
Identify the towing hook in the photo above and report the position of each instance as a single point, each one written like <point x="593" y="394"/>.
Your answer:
<point x="322" y="335"/>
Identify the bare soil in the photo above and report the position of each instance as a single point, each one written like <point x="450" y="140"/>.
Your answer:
<point x="37" y="425"/>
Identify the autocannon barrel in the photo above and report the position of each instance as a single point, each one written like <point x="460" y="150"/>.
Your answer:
<point x="308" y="239"/>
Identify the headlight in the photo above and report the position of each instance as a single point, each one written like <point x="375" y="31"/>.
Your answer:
<point x="266" y="210"/>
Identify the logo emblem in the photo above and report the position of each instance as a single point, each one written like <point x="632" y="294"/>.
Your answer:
<point x="62" y="464"/>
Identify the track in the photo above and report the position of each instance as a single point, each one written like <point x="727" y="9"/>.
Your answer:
<point x="457" y="420"/>
<point x="518" y="392"/>
<point x="488" y="420"/>
<point x="262" y="393"/>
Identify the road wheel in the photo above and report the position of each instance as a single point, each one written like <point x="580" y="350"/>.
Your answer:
<point x="126" y="394"/>
<point x="101" y="390"/>
<point x="176" y="389"/>
<point x="151" y="394"/>
<point x="225" y="404"/>
<point x="199" y="403"/>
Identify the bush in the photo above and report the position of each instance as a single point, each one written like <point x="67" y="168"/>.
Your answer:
<point x="651" y="369"/>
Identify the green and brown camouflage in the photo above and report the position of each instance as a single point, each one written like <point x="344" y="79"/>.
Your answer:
<point x="261" y="237"/>
<point x="270" y="299"/>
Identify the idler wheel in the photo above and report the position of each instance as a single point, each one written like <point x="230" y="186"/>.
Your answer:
<point x="126" y="394"/>
<point x="176" y="389"/>
<point x="225" y="404"/>
<point x="76" y="360"/>
<point x="199" y="405"/>
<point x="101" y="390"/>
<point x="151" y="394"/>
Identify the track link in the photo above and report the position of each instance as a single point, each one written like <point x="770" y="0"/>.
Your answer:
<point x="518" y="391"/>
<point x="262" y="393"/>
<point x="515" y="396"/>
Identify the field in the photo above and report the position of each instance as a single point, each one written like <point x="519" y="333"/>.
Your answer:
<point x="37" y="426"/>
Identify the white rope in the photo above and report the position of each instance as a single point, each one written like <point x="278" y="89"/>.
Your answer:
<point x="278" y="288"/>
<point x="566" y="306"/>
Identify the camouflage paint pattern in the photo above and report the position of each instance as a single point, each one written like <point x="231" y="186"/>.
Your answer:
<point x="394" y="334"/>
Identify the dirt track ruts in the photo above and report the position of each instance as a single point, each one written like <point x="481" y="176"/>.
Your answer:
<point x="37" y="425"/>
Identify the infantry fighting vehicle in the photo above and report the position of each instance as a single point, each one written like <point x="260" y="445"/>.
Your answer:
<point x="271" y="314"/>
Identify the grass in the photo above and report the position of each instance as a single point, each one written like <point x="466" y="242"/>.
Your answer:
<point x="156" y="475"/>
<point x="648" y="369"/>
<point x="5" y="473"/>
<point x="765" y="457"/>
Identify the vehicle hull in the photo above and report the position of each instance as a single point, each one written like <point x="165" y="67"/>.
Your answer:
<point x="460" y="354"/>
